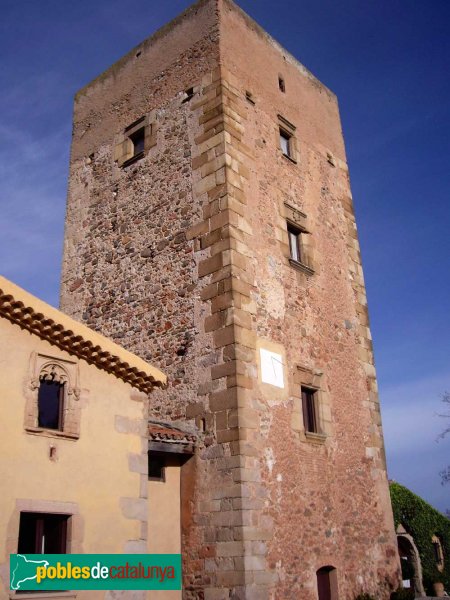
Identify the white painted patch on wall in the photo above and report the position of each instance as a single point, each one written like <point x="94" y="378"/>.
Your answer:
<point x="271" y="368"/>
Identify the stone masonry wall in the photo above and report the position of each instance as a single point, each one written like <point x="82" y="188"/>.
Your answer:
<point x="136" y="268"/>
<point x="183" y="258"/>
<point x="335" y="488"/>
<point x="128" y="268"/>
<point x="237" y="565"/>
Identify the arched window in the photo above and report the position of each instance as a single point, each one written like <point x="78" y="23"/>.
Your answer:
<point x="327" y="583"/>
<point x="51" y="396"/>
<point x="50" y="404"/>
<point x="438" y="552"/>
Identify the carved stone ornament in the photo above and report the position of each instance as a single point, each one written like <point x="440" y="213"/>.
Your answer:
<point x="60" y="370"/>
<point x="53" y="372"/>
<point x="51" y="369"/>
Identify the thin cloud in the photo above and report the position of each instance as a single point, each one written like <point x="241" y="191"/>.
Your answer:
<point x="411" y="425"/>
<point x="33" y="174"/>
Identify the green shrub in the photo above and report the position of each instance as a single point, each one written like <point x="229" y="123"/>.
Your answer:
<point x="422" y="521"/>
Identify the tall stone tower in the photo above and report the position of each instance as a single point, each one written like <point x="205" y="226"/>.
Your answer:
<point x="210" y="229"/>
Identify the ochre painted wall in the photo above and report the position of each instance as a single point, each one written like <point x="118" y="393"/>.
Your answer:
<point x="89" y="477"/>
<point x="164" y="534"/>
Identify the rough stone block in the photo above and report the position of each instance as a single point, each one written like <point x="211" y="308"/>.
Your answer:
<point x="244" y="417"/>
<point x="246" y="475"/>
<point x="198" y="229"/>
<point x="222" y="301"/>
<point x="217" y="594"/>
<point x="223" y="369"/>
<point x="195" y="409"/>
<point x="215" y="322"/>
<point x="230" y="549"/>
<point x="205" y="184"/>
<point x="134" y="508"/>
<point x="137" y="463"/>
<point x="229" y="435"/>
<point x="209" y="265"/>
<point x="224" y="336"/>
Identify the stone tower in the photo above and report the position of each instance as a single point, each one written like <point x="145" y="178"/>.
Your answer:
<point x="210" y="229"/>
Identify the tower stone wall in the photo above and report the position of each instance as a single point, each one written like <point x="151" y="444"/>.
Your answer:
<point x="183" y="257"/>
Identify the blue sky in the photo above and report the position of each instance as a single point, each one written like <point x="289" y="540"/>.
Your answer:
<point x="388" y="61"/>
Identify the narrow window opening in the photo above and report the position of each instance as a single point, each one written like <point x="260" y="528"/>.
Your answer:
<point x="41" y="533"/>
<point x="249" y="97"/>
<point x="50" y="404"/>
<point x="438" y="552"/>
<point x="138" y="140"/>
<point x="330" y="159"/>
<point x="156" y="466"/>
<point x="327" y="583"/>
<point x="310" y="419"/>
<point x="285" y="143"/>
<point x="295" y="242"/>
<point x="188" y="94"/>
<point x="281" y="84"/>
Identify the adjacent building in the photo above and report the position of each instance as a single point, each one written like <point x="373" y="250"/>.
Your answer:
<point x="76" y="445"/>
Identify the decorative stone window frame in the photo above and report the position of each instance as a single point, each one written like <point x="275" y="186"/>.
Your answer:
<point x="75" y="532"/>
<point x="63" y="371"/>
<point x="440" y="553"/>
<point x="287" y="129"/>
<point x="298" y="220"/>
<point x="312" y="379"/>
<point x="124" y="153"/>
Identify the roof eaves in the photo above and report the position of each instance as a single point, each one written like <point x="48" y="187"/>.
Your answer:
<point x="45" y="321"/>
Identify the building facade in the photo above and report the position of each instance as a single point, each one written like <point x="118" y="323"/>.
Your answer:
<point x="75" y="440"/>
<point x="210" y="229"/>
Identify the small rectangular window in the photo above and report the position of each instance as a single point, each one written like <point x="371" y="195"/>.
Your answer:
<point x="42" y="533"/>
<point x="188" y="95"/>
<point x="50" y="404"/>
<point x="287" y="139"/>
<point x="135" y="140"/>
<point x="285" y="143"/>
<point x="138" y="140"/>
<point x="156" y="466"/>
<point x="281" y="84"/>
<point x="310" y="420"/>
<point x="295" y="242"/>
<point x="249" y="97"/>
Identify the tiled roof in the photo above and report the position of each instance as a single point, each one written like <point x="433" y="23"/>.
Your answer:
<point x="165" y="432"/>
<point x="45" y="321"/>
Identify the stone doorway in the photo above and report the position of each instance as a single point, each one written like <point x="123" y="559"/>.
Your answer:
<point x="327" y="583"/>
<point x="410" y="561"/>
